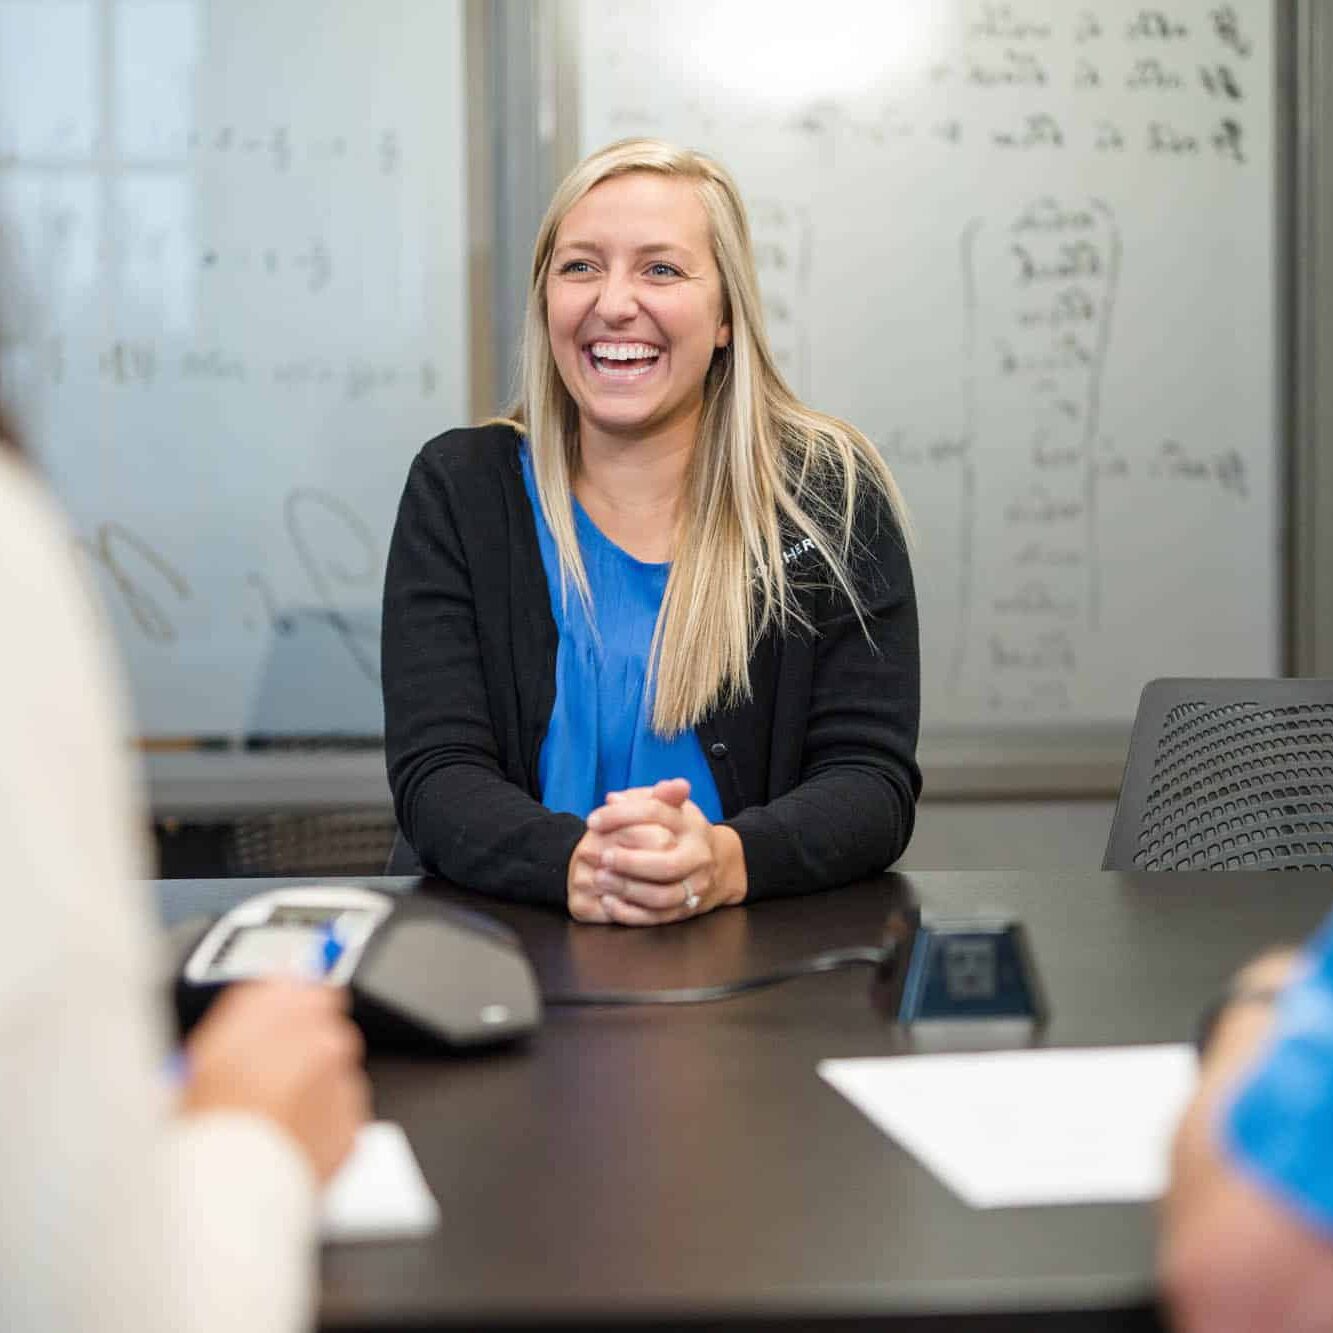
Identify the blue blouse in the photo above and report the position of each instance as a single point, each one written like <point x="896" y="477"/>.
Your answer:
<point x="600" y="735"/>
<point x="1278" y="1128"/>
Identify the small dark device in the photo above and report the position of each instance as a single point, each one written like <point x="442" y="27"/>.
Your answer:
<point x="421" y="974"/>
<point x="952" y="968"/>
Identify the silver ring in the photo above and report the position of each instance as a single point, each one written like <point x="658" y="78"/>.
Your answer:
<point x="691" y="898"/>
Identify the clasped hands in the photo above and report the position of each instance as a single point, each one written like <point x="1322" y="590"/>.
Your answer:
<point x="650" y="857"/>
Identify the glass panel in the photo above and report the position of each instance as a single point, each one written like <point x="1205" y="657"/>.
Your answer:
<point x="231" y="313"/>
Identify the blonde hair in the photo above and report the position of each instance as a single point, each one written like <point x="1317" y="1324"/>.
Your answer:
<point x="762" y="460"/>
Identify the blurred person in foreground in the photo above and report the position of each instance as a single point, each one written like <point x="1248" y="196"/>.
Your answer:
<point x="1247" y="1224"/>
<point x="129" y="1203"/>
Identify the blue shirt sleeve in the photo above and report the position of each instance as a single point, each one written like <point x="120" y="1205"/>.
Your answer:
<point x="1278" y="1125"/>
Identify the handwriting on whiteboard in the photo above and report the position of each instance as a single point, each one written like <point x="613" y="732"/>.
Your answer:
<point x="333" y="547"/>
<point x="1189" y="76"/>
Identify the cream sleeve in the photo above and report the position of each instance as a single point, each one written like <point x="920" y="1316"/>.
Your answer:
<point x="115" y="1215"/>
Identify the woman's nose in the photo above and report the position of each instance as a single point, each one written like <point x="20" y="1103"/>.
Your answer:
<point x="616" y="301"/>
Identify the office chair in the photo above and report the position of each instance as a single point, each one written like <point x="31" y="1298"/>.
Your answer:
<point x="339" y="842"/>
<point x="1227" y="775"/>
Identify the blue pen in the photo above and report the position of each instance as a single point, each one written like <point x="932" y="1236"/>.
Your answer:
<point x="330" y="947"/>
<point x="329" y="950"/>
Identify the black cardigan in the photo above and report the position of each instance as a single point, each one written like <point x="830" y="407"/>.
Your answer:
<point x="816" y="772"/>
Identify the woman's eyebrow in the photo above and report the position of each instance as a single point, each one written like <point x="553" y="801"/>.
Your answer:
<point x="663" y="247"/>
<point x="639" y="252"/>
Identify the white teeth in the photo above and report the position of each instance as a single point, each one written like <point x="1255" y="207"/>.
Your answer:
<point x="625" y="351"/>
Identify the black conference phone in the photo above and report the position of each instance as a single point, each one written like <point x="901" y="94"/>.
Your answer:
<point x="421" y="974"/>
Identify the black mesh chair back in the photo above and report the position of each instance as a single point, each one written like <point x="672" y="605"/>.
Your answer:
<point x="1227" y="775"/>
<point x="338" y="842"/>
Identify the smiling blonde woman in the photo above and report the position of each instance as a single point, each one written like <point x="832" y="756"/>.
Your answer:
<point x="650" y="641"/>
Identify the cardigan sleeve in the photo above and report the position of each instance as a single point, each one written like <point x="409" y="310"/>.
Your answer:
<point x="852" y="811"/>
<point x="464" y="818"/>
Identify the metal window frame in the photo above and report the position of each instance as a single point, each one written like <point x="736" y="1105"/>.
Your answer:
<point x="1308" y="290"/>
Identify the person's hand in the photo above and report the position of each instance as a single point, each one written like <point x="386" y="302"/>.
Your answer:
<point x="285" y="1050"/>
<point x="652" y="857"/>
<point x="583" y="894"/>
<point x="1231" y="1255"/>
<point x="1240" y="1025"/>
<point x="582" y="897"/>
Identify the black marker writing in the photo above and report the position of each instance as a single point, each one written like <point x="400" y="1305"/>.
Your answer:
<point x="115" y="548"/>
<point x="325" y="551"/>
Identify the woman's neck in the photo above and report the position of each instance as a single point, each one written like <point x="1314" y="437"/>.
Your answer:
<point x="631" y="488"/>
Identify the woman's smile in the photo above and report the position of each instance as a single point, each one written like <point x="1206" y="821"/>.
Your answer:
<point x="634" y="306"/>
<point x="624" y="362"/>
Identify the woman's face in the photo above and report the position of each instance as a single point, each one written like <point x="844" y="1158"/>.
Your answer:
<point x="634" y="304"/>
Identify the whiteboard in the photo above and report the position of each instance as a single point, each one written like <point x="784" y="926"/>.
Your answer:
<point x="232" y="259"/>
<point x="1029" y="249"/>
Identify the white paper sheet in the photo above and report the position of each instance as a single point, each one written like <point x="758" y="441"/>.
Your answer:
<point x="1015" y="1128"/>
<point x="380" y="1193"/>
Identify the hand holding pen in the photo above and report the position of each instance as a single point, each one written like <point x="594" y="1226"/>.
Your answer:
<point x="286" y="1050"/>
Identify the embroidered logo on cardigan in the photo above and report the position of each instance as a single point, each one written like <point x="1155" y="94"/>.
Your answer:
<point x="797" y="549"/>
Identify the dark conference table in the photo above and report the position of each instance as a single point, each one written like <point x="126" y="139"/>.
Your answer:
<point x="665" y="1167"/>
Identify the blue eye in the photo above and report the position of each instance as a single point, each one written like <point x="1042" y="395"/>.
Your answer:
<point x="664" y="270"/>
<point x="576" y="266"/>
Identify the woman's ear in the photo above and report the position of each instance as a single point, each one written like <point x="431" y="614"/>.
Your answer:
<point x="723" y="338"/>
